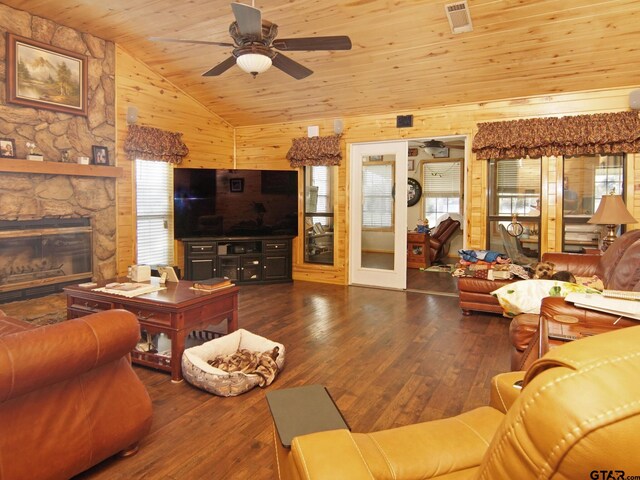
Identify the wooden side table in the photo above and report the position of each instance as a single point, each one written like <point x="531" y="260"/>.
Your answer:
<point x="418" y="250"/>
<point x="175" y="311"/>
<point x="556" y="332"/>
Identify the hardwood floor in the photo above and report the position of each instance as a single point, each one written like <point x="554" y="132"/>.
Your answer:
<point x="439" y="283"/>
<point x="388" y="358"/>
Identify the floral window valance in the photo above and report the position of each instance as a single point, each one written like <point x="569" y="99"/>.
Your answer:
<point x="602" y="133"/>
<point x="315" y="151"/>
<point x="148" y="143"/>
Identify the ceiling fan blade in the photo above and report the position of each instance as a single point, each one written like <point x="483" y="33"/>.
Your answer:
<point x="178" y="40"/>
<point x="221" y="67"/>
<point x="249" y="19"/>
<point x="290" y="67"/>
<point x="340" y="42"/>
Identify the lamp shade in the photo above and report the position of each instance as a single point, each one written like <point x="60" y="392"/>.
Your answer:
<point x="611" y="211"/>
<point x="253" y="63"/>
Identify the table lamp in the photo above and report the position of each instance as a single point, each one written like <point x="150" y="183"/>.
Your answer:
<point x="611" y="212"/>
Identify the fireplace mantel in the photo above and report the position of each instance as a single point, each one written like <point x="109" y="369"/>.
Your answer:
<point x="13" y="165"/>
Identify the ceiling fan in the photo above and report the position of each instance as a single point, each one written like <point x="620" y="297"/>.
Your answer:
<point x="254" y="43"/>
<point x="435" y="146"/>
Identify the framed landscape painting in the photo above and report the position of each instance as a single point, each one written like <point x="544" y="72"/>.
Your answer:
<point x="44" y="76"/>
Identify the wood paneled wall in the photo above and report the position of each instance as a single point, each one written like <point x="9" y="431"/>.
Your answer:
<point x="266" y="145"/>
<point x="213" y="143"/>
<point x="161" y="105"/>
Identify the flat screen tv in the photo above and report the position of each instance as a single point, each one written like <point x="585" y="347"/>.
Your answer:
<point x="234" y="203"/>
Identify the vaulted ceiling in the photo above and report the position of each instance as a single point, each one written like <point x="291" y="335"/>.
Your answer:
<point x="404" y="56"/>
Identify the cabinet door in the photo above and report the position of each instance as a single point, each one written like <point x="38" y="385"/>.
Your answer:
<point x="276" y="267"/>
<point x="229" y="267"/>
<point x="251" y="268"/>
<point x="201" y="268"/>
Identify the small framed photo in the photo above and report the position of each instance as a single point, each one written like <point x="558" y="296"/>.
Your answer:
<point x="236" y="185"/>
<point x="411" y="165"/>
<point x="100" y="155"/>
<point x="413" y="152"/>
<point x="441" y="153"/>
<point x="7" y="148"/>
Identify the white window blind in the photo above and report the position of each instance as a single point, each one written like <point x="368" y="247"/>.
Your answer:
<point x="154" y="210"/>
<point x="441" y="179"/>
<point x="441" y="189"/>
<point x="321" y="178"/>
<point x="518" y="185"/>
<point x="377" y="195"/>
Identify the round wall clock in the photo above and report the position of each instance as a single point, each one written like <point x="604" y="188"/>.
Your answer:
<point x="414" y="192"/>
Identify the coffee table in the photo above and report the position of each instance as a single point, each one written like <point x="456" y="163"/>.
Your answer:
<point x="175" y="311"/>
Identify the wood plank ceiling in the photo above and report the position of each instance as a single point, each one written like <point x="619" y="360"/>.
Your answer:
<point x="404" y="56"/>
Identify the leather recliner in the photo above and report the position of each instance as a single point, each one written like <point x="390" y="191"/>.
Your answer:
<point x="439" y="238"/>
<point x="577" y="413"/>
<point x="68" y="395"/>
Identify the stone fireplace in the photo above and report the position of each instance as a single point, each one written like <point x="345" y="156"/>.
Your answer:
<point x="53" y="190"/>
<point x="44" y="219"/>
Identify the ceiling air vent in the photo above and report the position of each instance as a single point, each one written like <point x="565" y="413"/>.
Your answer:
<point x="459" y="18"/>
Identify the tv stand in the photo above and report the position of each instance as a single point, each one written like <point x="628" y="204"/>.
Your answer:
<point x="241" y="259"/>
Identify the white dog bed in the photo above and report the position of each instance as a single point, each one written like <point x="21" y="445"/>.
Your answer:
<point x="199" y="373"/>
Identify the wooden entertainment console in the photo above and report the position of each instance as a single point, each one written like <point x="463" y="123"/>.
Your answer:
<point x="241" y="259"/>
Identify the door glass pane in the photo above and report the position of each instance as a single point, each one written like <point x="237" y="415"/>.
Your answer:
<point x="378" y="204"/>
<point x="586" y="179"/>
<point x="514" y="192"/>
<point x="318" y="215"/>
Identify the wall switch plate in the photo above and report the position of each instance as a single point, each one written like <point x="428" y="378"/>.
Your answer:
<point x="404" y="121"/>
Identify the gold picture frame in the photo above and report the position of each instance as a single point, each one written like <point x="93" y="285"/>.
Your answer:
<point x="43" y="76"/>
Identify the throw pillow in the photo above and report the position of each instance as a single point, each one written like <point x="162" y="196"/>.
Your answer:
<point x="525" y="296"/>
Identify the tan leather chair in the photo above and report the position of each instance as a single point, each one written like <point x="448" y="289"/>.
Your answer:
<point x="579" y="412"/>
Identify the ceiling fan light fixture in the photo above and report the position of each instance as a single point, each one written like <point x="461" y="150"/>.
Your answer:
<point x="254" y="63"/>
<point x="433" y="146"/>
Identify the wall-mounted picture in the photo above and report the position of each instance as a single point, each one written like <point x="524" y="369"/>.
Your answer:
<point x="411" y="165"/>
<point x="7" y="148"/>
<point x="100" y="155"/>
<point x="236" y="185"/>
<point x="413" y="152"/>
<point x="43" y="76"/>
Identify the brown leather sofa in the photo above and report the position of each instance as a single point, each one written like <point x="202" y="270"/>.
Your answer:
<point x="618" y="268"/>
<point x="577" y="413"/>
<point x="68" y="395"/>
<point x="475" y="294"/>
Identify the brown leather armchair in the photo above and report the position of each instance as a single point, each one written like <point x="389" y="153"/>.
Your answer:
<point x="68" y="395"/>
<point x="439" y="238"/>
<point x="578" y="412"/>
<point x="618" y="268"/>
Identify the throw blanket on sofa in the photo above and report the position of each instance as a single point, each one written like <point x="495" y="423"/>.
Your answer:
<point x="262" y="364"/>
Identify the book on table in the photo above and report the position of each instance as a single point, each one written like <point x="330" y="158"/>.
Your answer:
<point x="615" y="306"/>
<point x="624" y="294"/>
<point x="212" y="284"/>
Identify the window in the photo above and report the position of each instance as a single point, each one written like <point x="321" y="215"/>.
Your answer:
<point x="441" y="189"/>
<point x="585" y="180"/>
<point x="318" y="214"/>
<point x="514" y="189"/>
<point x="154" y="211"/>
<point x="377" y="195"/>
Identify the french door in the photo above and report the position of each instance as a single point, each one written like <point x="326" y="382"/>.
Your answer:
<point x="378" y="214"/>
